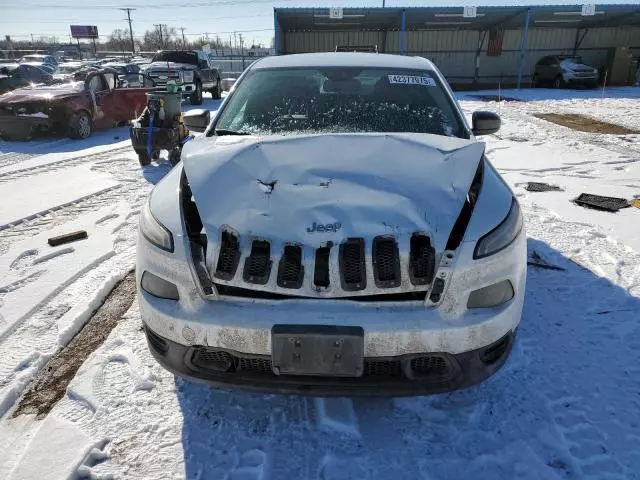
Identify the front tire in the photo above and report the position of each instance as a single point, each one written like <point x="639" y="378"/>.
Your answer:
<point x="144" y="158"/>
<point x="80" y="125"/>
<point x="196" y="98"/>
<point x="216" y="91"/>
<point x="174" y="157"/>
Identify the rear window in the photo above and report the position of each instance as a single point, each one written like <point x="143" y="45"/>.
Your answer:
<point x="177" y="57"/>
<point x="341" y="100"/>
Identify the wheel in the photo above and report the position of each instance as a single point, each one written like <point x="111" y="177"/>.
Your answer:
<point x="196" y="98"/>
<point x="144" y="158"/>
<point x="80" y="125"/>
<point x="174" y="157"/>
<point x="215" y="92"/>
<point x="559" y="82"/>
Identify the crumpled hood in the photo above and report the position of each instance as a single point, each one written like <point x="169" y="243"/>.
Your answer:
<point x="363" y="185"/>
<point x="170" y="66"/>
<point x="42" y="93"/>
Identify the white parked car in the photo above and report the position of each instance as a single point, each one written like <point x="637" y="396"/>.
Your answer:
<point x="338" y="230"/>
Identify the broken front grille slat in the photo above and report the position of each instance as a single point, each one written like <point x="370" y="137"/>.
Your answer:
<point x="291" y="270"/>
<point x="388" y="269"/>
<point x="229" y="256"/>
<point x="353" y="273"/>
<point x="386" y="262"/>
<point x="422" y="260"/>
<point x="257" y="266"/>
<point x="321" y="271"/>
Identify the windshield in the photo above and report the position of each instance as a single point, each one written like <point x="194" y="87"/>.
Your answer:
<point x="572" y="58"/>
<point x="177" y="57"/>
<point x="340" y="100"/>
<point x="7" y="69"/>
<point x="68" y="68"/>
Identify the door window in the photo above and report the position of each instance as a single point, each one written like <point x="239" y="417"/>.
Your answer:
<point x="96" y="84"/>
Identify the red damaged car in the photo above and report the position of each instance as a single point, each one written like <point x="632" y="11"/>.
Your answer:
<point x="75" y="108"/>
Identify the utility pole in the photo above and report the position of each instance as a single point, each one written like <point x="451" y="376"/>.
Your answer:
<point x="159" y="25"/>
<point x="242" y="50"/>
<point x="133" y="45"/>
<point x="184" y="42"/>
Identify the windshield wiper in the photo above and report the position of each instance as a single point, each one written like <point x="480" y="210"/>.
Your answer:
<point x="221" y="132"/>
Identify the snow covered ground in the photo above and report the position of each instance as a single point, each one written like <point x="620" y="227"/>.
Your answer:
<point x="567" y="404"/>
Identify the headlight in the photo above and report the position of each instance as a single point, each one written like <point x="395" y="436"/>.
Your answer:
<point x="502" y="236"/>
<point x="187" y="76"/>
<point x="154" y="231"/>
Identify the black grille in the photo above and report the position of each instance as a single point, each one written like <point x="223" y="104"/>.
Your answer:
<point x="382" y="368"/>
<point x="321" y="272"/>
<point x="157" y="342"/>
<point x="210" y="359"/>
<point x="433" y="367"/>
<point x="430" y="366"/>
<point x="386" y="262"/>
<point x="353" y="273"/>
<point x="422" y="259"/>
<point x="229" y="256"/>
<point x="290" y="270"/>
<point x="254" y="364"/>
<point x="257" y="265"/>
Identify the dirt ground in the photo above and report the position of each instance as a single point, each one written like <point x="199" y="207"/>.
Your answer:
<point x="585" y="124"/>
<point x="51" y="383"/>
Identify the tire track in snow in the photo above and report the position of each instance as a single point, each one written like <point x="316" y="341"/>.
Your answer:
<point x="111" y="155"/>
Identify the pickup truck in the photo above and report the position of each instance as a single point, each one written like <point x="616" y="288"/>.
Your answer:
<point x="191" y="70"/>
<point x="76" y="108"/>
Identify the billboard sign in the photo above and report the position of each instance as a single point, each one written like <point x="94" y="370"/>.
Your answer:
<point x="84" y="31"/>
<point x="335" y="13"/>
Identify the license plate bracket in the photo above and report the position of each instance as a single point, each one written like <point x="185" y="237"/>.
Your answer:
<point x="320" y="350"/>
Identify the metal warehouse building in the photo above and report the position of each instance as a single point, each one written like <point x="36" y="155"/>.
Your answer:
<point x="498" y="44"/>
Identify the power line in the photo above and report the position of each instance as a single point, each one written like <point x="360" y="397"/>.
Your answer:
<point x="128" y="10"/>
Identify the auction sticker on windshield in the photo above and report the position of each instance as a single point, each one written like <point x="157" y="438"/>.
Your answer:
<point x="412" y="80"/>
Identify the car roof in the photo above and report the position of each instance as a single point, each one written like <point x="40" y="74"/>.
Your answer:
<point x="9" y="65"/>
<point x="346" y="59"/>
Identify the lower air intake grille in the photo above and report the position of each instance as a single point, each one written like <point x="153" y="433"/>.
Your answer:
<point x="352" y="268"/>
<point x="433" y="366"/>
<point x="291" y="271"/>
<point x="383" y="368"/>
<point x="386" y="262"/>
<point x="253" y="364"/>
<point x="257" y="265"/>
<point x="229" y="256"/>
<point x="422" y="260"/>
<point x="210" y="359"/>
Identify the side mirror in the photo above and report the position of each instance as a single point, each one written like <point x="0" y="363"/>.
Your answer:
<point x="485" y="123"/>
<point x="197" y="120"/>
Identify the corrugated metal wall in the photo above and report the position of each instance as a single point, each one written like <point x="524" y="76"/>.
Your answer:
<point x="454" y="50"/>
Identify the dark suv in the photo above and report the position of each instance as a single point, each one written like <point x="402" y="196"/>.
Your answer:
<point x="560" y="71"/>
<point x="191" y="71"/>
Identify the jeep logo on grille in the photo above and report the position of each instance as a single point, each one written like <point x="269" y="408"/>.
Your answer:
<point x="329" y="227"/>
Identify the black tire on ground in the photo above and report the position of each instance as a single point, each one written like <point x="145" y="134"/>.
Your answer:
<point x="559" y="82"/>
<point x="144" y="158"/>
<point x="217" y="90"/>
<point x="80" y="125"/>
<point x="174" y="157"/>
<point x="196" y="97"/>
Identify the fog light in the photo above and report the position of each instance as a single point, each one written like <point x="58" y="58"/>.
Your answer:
<point x="491" y="296"/>
<point x="158" y="287"/>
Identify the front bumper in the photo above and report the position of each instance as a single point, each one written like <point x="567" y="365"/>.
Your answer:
<point x="384" y="376"/>
<point x="16" y="126"/>
<point x="185" y="89"/>
<point x="582" y="81"/>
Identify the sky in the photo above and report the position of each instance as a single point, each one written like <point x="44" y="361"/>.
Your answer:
<point x="252" y="18"/>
